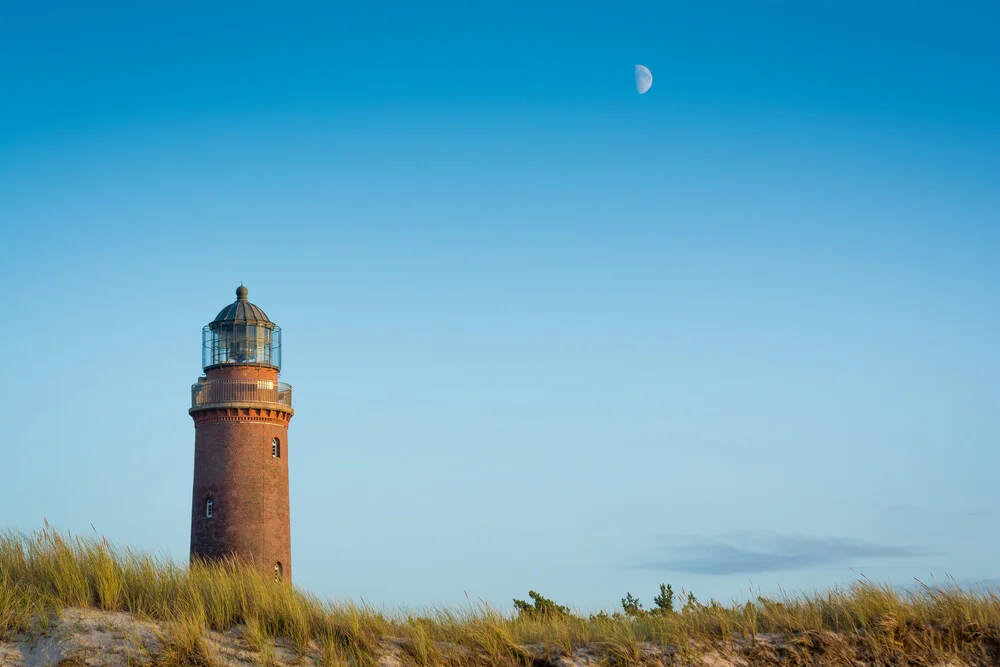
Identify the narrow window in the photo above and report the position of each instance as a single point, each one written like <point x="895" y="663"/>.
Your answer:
<point x="208" y="508"/>
<point x="276" y="448"/>
<point x="277" y="571"/>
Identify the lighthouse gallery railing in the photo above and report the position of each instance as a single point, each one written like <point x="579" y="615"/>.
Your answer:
<point x="240" y="391"/>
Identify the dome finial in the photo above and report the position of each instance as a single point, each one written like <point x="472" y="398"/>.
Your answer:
<point x="241" y="292"/>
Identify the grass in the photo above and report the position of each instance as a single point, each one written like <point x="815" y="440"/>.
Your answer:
<point x="45" y="571"/>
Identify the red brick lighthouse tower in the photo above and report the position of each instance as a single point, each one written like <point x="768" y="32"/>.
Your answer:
<point x="241" y="414"/>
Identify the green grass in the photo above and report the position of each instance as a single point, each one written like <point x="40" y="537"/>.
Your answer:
<point x="45" y="571"/>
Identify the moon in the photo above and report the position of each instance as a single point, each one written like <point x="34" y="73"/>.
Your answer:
<point x="643" y="79"/>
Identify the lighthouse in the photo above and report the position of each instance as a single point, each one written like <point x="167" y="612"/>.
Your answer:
<point x="239" y="505"/>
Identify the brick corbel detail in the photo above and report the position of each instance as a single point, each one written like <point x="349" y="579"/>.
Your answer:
<point x="208" y="415"/>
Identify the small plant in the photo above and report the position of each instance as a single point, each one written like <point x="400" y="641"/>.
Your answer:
<point x="632" y="606"/>
<point x="665" y="600"/>
<point x="331" y="654"/>
<point x="542" y="607"/>
<point x="184" y="644"/>
<point x="260" y="640"/>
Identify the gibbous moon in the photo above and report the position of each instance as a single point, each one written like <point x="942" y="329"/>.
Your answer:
<point x="643" y="79"/>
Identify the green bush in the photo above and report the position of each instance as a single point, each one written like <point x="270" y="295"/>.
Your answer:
<point x="665" y="600"/>
<point x="542" y="607"/>
<point x="632" y="606"/>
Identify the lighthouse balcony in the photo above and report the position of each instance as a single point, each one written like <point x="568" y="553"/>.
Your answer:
<point x="219" y="393"/>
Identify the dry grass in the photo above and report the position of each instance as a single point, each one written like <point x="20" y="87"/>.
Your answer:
<point x="184" y="644"/>
<point x="46" y="571"/>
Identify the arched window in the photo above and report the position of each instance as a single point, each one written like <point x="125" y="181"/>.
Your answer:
<point x="208" y="508"/>
<point x="277" y="571"/>
<point x="276" y="448"/>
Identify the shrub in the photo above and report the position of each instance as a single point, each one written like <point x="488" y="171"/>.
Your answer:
<point x="665" y="600"/>
<point x="632" y="606"/>
<point x="542" y="607"/>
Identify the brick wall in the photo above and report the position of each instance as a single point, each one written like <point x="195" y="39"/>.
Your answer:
<point x="234" y="466"/>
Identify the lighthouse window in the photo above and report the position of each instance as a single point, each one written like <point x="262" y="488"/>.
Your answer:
<point x="277" y="571"/>
<point x="208" y="508"/>
<point x="276" y="448"/>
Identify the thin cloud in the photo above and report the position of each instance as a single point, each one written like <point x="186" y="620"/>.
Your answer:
<point x="927" y="511"/>
<point x="751" y="553"/>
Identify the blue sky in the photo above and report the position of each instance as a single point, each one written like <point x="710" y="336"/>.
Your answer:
<point x="543" y="332"/>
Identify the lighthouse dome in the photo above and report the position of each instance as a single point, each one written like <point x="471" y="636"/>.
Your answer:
<point x="242" y="311"/>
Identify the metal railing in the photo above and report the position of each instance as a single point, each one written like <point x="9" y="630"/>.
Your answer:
<point x="240" y="391"/>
